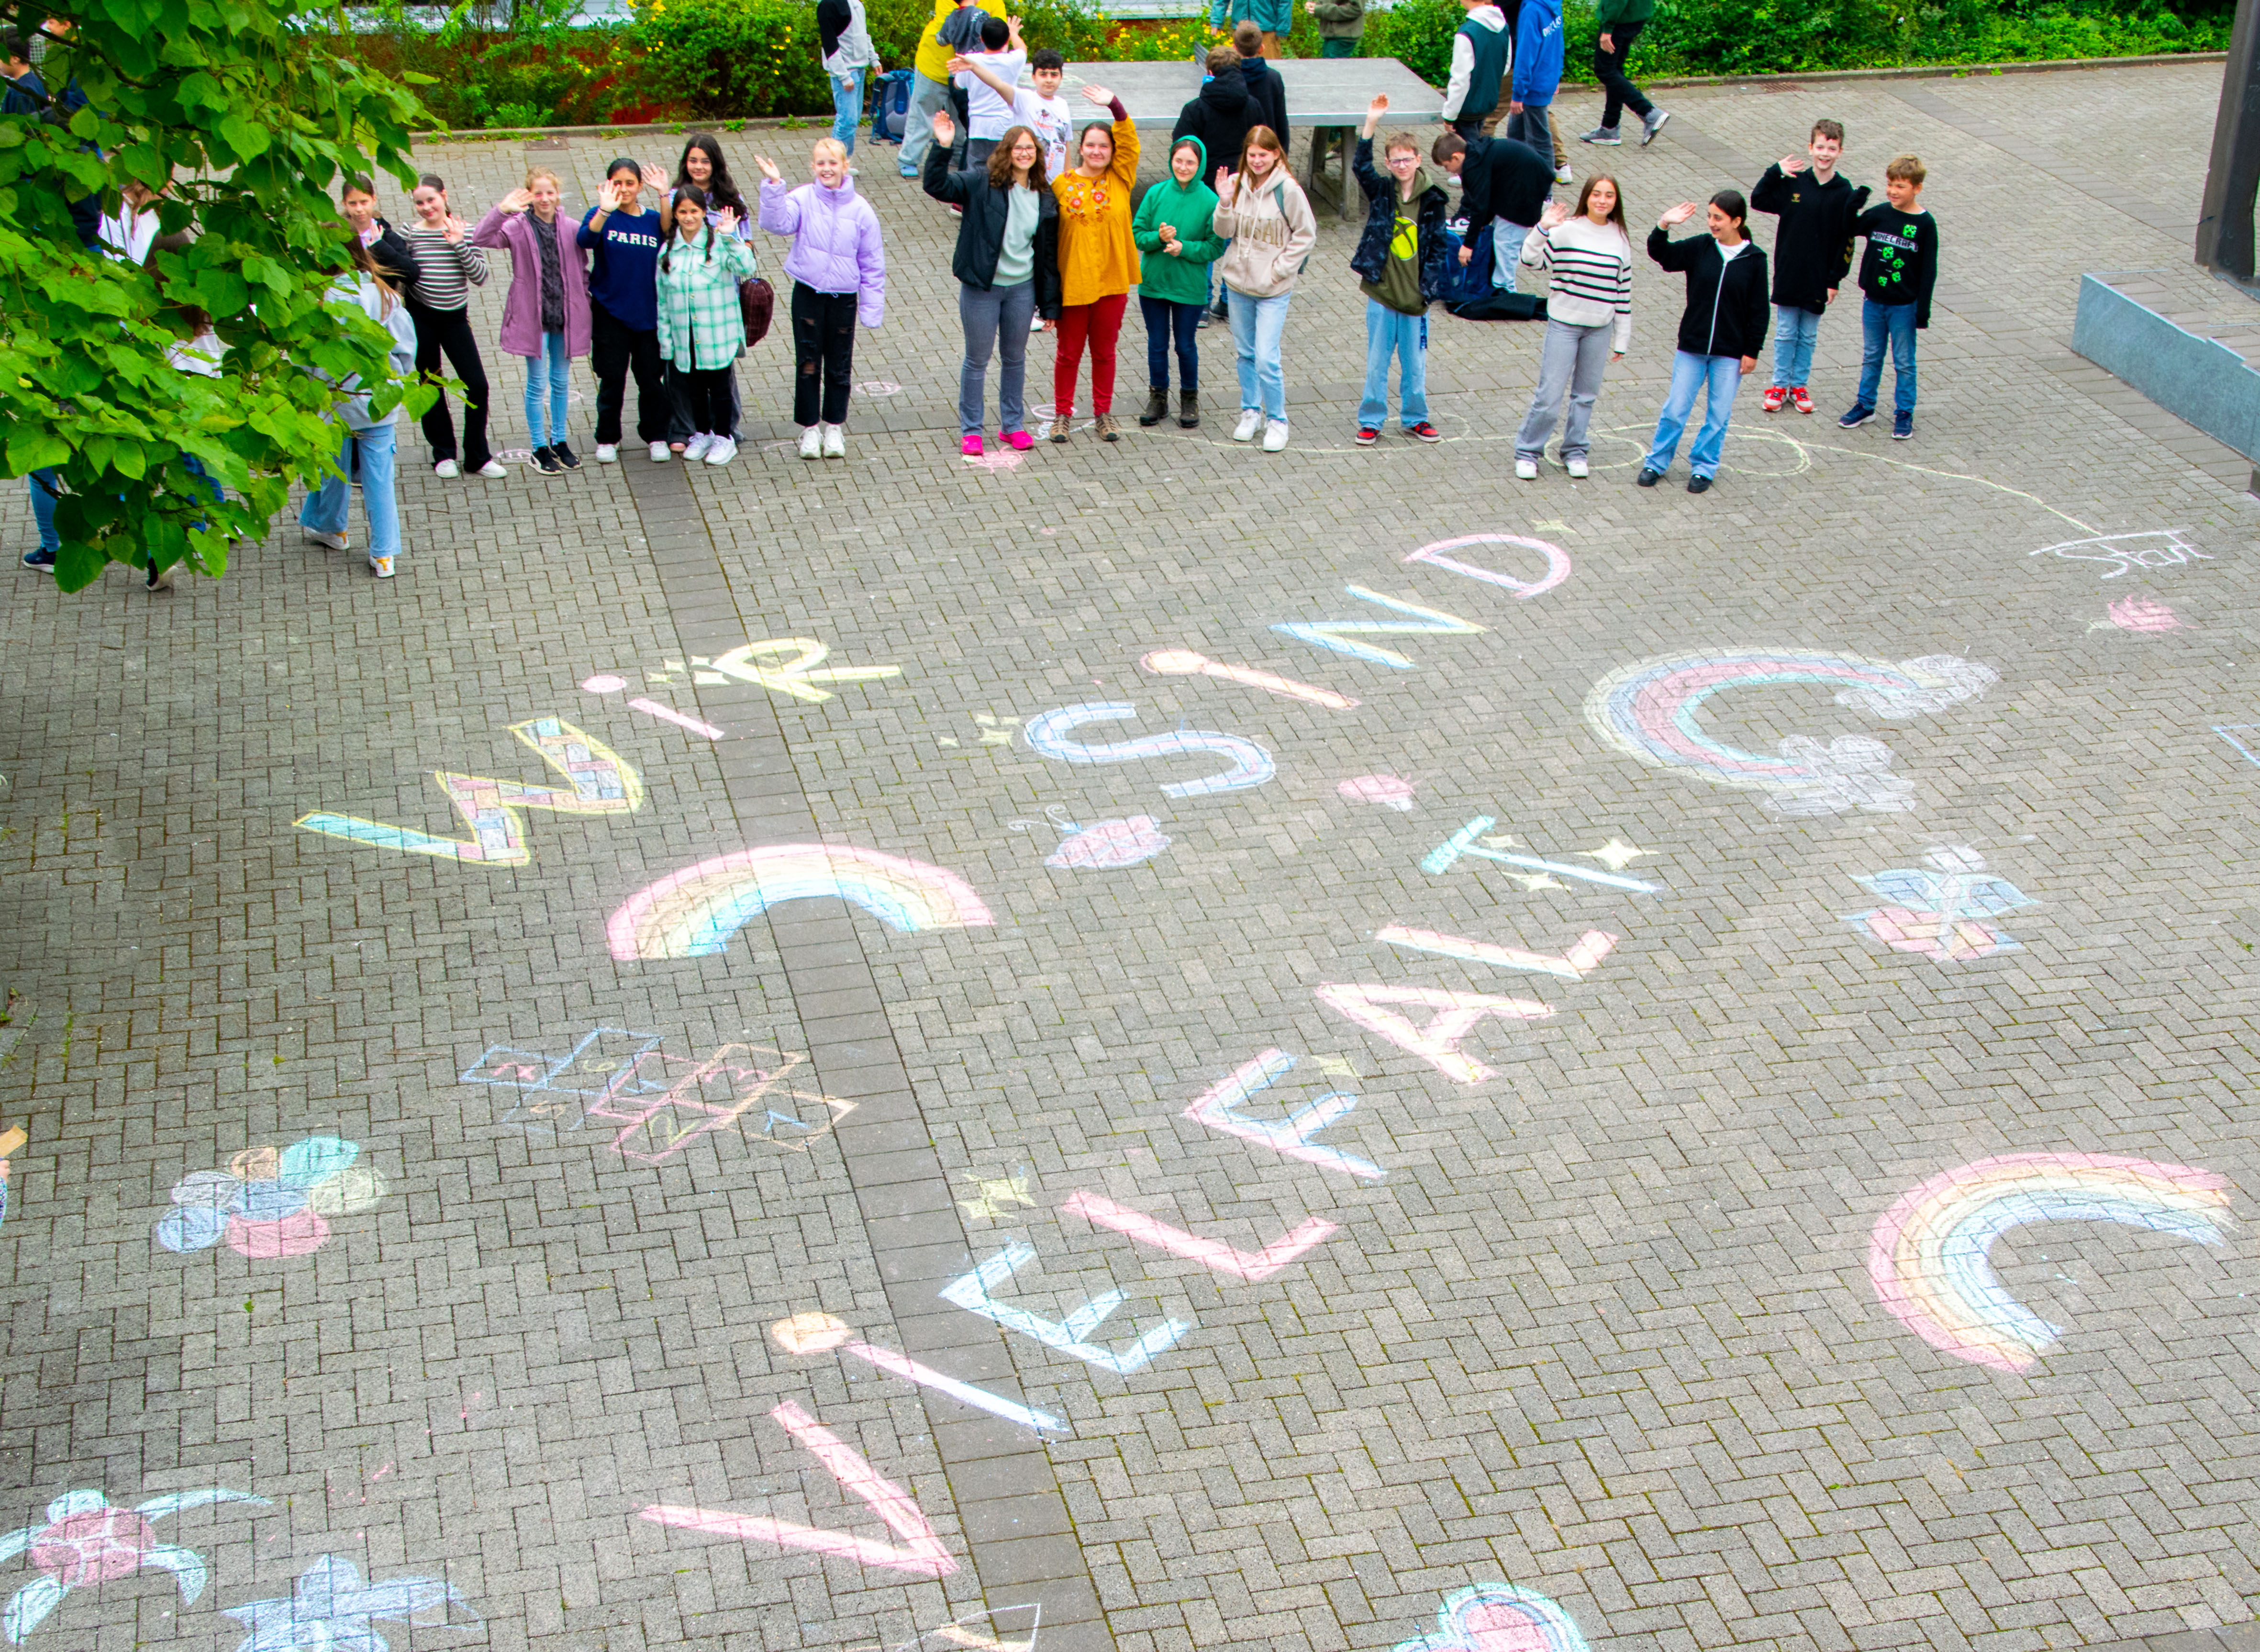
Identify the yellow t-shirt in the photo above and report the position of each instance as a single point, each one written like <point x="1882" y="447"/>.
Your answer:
<point x="1097" y="257"/>
<point x="933" y="60"/>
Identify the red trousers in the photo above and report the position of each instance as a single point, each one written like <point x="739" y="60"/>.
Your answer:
<point x="1101" y="322"/>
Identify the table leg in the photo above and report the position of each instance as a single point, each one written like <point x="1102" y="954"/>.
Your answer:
<point x="1349" y="182"/>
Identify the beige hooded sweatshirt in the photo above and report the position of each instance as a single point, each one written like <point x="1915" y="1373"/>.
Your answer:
<point x="1272" y="232"/>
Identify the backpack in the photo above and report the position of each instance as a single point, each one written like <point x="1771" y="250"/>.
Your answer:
<point x="890" y="106"/>
<point x="1471" y="282"/>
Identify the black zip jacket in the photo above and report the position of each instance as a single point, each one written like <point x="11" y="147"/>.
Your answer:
<point x="1372" y="252"/>
<point x="1219" y="115"/>
<point x="1723" y="317"/>
<point x="1813" y="248"/>
<point x="398" y="265"/>
<point x="981" y="232"/>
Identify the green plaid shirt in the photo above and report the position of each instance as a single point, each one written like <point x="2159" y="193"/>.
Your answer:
<point x="700" y="326"/>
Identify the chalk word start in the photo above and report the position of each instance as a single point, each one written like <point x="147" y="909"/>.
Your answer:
<point x="2161" y="547"/>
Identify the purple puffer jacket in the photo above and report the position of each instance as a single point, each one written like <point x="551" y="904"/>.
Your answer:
<point x="836" y="244"/>
<point x="521" y="311"/>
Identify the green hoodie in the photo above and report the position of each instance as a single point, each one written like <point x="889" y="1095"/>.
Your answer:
<point x="1187" y="209"/>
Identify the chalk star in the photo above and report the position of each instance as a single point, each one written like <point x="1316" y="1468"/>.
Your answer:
<point x="1537" y="880"/>
<point x="997" y="1193"/>
<point x="1616" y="853"/>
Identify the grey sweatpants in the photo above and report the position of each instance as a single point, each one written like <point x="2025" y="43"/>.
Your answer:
<point x="1569" y="363"/>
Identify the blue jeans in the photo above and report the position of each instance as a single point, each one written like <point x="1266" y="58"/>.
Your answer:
<point x="996" y="322"/>
<point x="847" y="106"/>
<point x="1795" y="332"/>
<point x="1391" y="332"/>
<point x="1258" y="325"/>
<point x="1722" y="377"/>
<point x="1896" y="323"/>
<point x="324" y="510"/>
<point x="1165" y="321"/>
<point x="928" y="98"/>
<point x="546" y="371"/>
<point x="43" y="507"/>
<point x="1506" y="244"/>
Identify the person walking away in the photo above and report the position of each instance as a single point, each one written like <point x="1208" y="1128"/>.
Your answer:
<point x="1400" y="260"/>
<point x="1175" y="230"/>
<point x="1007" y="266"/>
<point x="838" y="265"/>
<point x="701" y="326"/>
<point x="1267" y="91"/>
<point x="1098" y="263"/>
<point x="439" y="308"/>
<point x="1342" y="25"/>
<point x="1721" y="332"/>
<point x="1503" y="183"/>
<point x="1587" y="256"/>
<point x="1537" y="77"/>
<point x="1812" y="255"/>
<point x="844" y="45"/>
<point x="545" y="317"/>
<point x="1268" y="218"/>
<point x="1621" y="23"/>
<point x="622" y="237"/>
<point x="930" y="71"/>
<point x="1042" y="109"/>
<point x="1481" y="52"/>
<point x="706" y="169"/>
<point x="1897" y="276"/>
<point x="369" y="439"/>
<point x="1220" y="115"/>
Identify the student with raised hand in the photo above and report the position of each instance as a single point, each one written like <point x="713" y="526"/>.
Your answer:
<point x="1588" y="255"/>
<point x="701" y="326"/>
<point x="996" y="64"/>
<point x="1040" y="108"/>
<point x="441" y="309"/>
<point x="623" y="237"/>
<point x="369" y="439"/>
<point x="1007" y="266"/>
<point x="1812" y="255"/>
<point x="1720" y="333"/>
<point x="1400" y="264"/>
<point x="839" y="269"/>
<point x="704" y="168"/>
<point x="1098" y="262"/>
<point x="545" y="318"/>
<point x="1268" y="218"/>
<point x="1176" y="243"/>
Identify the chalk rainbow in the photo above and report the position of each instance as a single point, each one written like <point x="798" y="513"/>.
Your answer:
<point x="695" y="912"/>
<point x="1650" y="710"/>
<point x="1927" y="1257"/>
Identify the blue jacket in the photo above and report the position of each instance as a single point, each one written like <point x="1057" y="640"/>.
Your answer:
<point x="1538" y="52"/>
<point x="624" y="277"/>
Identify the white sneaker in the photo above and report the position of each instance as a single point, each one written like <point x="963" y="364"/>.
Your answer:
<point x="1526" y="471"/>
<point x="1251" y="420"/>
<point x="697" y="446"/>
<point x="492" y="470"/>
<point x="608" y="453"/>
<point x="381" y="565"/>
<point x="446" y="470"/>
<point x="1562" y="175"/>
<point x="722" y="452"/>
<point x="835" y="441"/>
<point x="661" y="452"/>
<point x="1275" y="435"/>
<point x="811" y="442"/>
<point x="328" y="541"/>
<point x="1577" y="467"/>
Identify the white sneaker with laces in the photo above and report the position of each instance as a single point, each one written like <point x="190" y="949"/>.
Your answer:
<point x="835" y="441"/>
<point x="492" y="470"/>
<point x="1275" y="435"/>
<point x="1251" y="420"/>
<point x="660" y="453"/>
<point x="1562" y="175"/>
<point x="697" y="446"/>
<point x="381" y="565"/>
<point x="1578" y="467"/>
<point x="1526" y="471"/>
<point x="446" y="470"/>
<point x="722" y="452"/>
<point x="328" y="541"/>
<point x="811" y="442"/>
<point x="608" y="453"/>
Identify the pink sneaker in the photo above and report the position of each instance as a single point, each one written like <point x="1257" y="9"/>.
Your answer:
<point x="970" y="446"/>
<point x="1019" y="440"/>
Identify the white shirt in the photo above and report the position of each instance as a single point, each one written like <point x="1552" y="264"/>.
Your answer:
<point x="129" y="233"/>
<point x="988" y="116"/>
<point x="1051" y="120"/>
<point x="1727" y="254"/>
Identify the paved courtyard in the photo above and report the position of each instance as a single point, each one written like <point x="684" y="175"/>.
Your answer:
<point x="1541" y="1125"/>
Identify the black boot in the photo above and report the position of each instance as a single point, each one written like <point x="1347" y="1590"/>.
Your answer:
<point x="1157" y="406"/>
<point x="1189" y="410"/>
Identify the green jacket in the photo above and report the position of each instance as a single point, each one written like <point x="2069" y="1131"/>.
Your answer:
<point x="1608" y="13"/>
<point x="1182" y="280"/>
<point x="1345" y="19"/>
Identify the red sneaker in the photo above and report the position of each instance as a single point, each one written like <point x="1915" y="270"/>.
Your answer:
<point x="1019" y="440"/>
<point x="1802" y="398"/>
<point x="970" y="446"/>
<point x="1424" y="431"/>
<point x="1775" y="397"/>
<point x="1367" y="435"/>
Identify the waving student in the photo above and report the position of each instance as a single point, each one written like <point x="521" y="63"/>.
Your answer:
<point x="546" y="316"/>
<point x="701" y="326"/>
<point x="1007" y="268"/>
<point x="1098" y="262"/>
<point x="439" y="305"/>
<point x="839" y="269"/>
<point x="1268" y="218"/>
<point x="1588" y="257"/>
<point x="624" y="237"/>
<point x="1720" y="333"/>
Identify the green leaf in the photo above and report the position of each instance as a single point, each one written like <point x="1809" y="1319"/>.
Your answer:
<point x="29" y="450"/>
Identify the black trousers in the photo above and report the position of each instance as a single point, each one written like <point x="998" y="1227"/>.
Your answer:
<point x="448" y="332"/>
<point x="702" y="398"/>
<point x="614" y="349"/>
<point x="823" y="333"/>
<point x="1609" y="68"/>
<point x="679" y="429"/>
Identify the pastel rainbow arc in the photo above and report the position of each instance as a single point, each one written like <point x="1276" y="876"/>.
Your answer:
<point x="1927" y="1257"/>
<point x="693" y="912"/>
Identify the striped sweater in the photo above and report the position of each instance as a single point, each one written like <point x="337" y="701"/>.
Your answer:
<point x="1589" y="267"/>
<point x="447" y="272"/>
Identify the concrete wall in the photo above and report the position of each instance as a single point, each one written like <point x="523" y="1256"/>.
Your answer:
<point x="2191" y="377"/>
